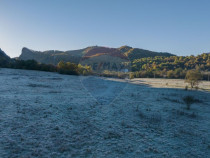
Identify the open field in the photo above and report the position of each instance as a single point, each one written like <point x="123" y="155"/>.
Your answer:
<point x="170" y="83"/>
<point x="45" y="114"/>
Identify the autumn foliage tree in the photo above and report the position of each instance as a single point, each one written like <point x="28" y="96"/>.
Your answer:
<point x="193" y="77"/>
<point x="73" y="69"/>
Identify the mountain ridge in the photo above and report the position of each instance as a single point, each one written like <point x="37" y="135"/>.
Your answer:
<point x="4" y="58"/>
<point x="75" y="56"/>
<point x="3" y="54"/>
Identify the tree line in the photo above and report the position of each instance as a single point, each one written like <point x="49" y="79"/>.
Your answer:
<point x="150" y="67"/>
<point x="61" y="67"/>
<point x="170" y="67"/>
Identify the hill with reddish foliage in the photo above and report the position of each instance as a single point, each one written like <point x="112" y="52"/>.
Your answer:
<point x="98" y="51"/>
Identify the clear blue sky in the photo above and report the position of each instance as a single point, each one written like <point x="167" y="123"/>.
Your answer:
<point x="181" y="27"/>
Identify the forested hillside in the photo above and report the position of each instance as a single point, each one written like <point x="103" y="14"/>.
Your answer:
<point x="136" y="53"/>
<point x="171" y="67"/>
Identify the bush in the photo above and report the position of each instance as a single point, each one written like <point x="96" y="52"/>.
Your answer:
<point x="186" y="87"/>
<point x="189" y="100"/>
<point x="131" y="75"/>
<point x="114" y="74"/>
<point x="85" y="73"/>
<point x="170" y="74"/>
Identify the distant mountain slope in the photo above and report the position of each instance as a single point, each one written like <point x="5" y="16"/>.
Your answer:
<point x="75" y="56"/>
<point x="4" y="59"/>
<point x="51" y="57"/>
<point x="136" y="53"/>
<point x="3" y="55"/>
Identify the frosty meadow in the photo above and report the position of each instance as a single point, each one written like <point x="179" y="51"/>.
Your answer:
<point x="46" y="114"/>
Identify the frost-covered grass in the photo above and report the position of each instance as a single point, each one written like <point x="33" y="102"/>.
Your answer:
<point x="45" y="114"/>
